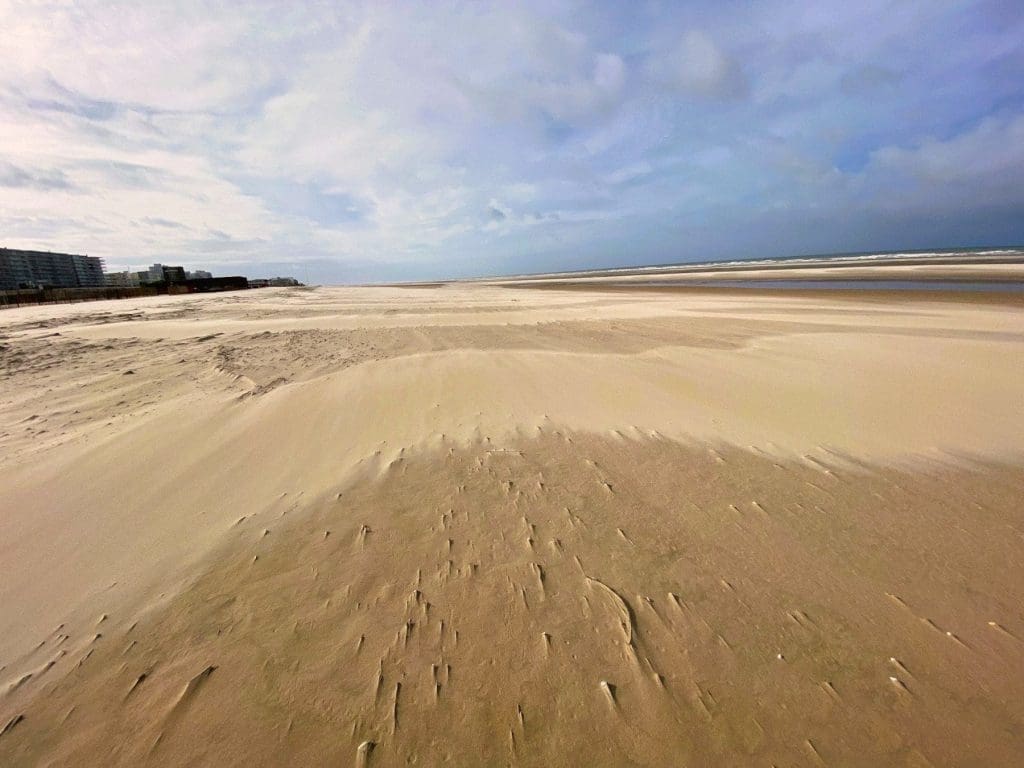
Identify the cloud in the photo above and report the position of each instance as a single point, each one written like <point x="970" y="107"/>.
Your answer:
<point x="629" y="173"/>
<point x="867" y="78"/>
<point x="442" y="138"/>
<point x="65" y="100"/>
<point x="125" y="175"/>
<point x="156" y="221"/>
<point x="698" y="66"/>
<point x="609" y="72"/>
<point x="15" y="177"/>
<point x="982" y="165"/>
<point x="322" y="205"/>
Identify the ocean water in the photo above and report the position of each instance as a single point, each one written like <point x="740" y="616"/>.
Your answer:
<point x="1010" y="254"/>
<point x="1007" y="254"/>
<point x="841" y="285"/>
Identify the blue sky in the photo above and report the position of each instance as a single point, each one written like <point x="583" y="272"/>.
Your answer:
<point x="383" y="141"/>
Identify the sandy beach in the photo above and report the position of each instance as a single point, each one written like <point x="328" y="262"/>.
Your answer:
<point x="478" y="524"/>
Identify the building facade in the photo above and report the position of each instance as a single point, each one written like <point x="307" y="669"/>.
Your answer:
<point x="208" y="284"/>
<point x="273" y="282"/>
<point x="154" y="274"/>
<point x="122" y="279"/>
<point x="161" y="273"/>
<point x="44" y="269"/>
<point x="175" y="274"/>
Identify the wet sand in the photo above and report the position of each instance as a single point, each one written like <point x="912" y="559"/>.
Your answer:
<point x="482" y="525"/>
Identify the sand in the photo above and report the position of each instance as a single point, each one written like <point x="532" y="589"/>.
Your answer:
<point x="482" y="525"/>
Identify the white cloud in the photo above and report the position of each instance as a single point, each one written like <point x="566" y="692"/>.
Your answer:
<point x="181" y="56"/>
<point x="994" y="147"/>
<point x="628" y="173"/>
<point x="609" y="72"/>
<point x="982" y="166"/>
<point x="420" y="134"/>
<point x="698" y="66"/>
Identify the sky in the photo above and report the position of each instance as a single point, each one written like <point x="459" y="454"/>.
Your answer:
<point x="353" y="142"/>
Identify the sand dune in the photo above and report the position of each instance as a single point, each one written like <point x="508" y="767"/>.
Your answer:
<point x="492" y="526"/>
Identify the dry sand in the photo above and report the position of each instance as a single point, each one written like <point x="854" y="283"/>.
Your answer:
<point x="478" y="525"/>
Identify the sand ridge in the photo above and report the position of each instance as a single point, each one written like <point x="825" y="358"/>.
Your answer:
<point x="619" y="601"/>
<point x="156" y="456"/>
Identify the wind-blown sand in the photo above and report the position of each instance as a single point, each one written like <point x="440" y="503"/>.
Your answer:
<point x="479" y="525"/>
